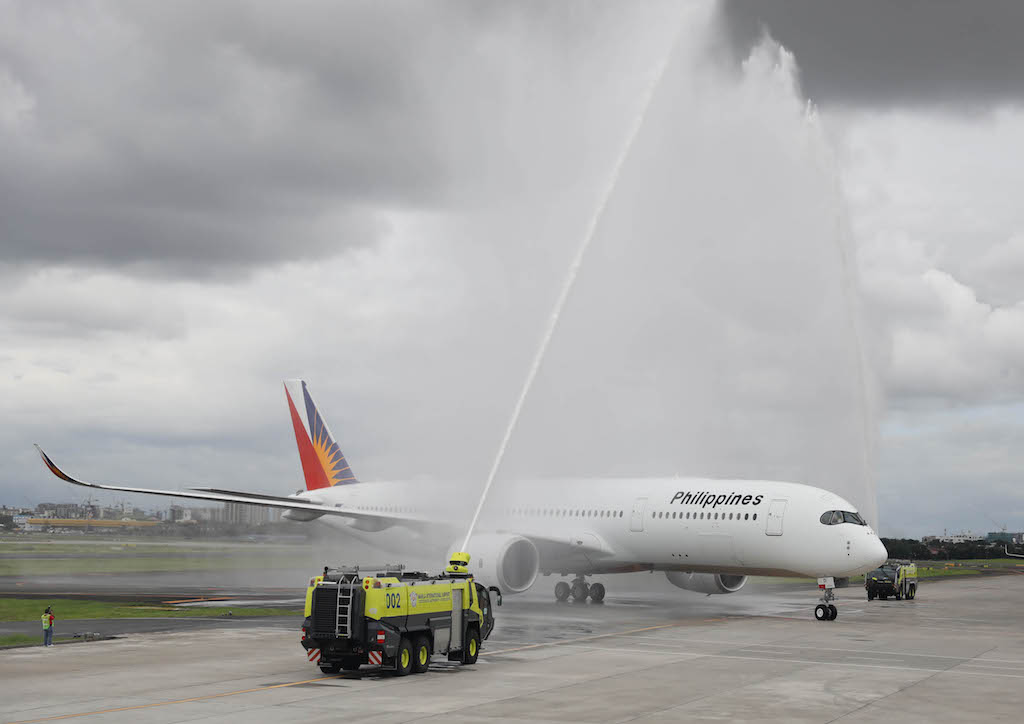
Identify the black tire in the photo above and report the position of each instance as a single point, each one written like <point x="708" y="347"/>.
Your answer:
<point x="351" y="664"/>
<point x="330" y="668"/>
<point x="833" y="612"/>
<point x="403" y="659"/>
<point x="580" y="591"/>
<point x="821" y="612"/>
<point x="420" y="654"/>
<point x="883" y="596"/>
<point x="898" y="595"/>
<point x="871" y="596"/>
<point x="562" y="590"/>
<point x="912" y="593"/>
<point x="471" y="651"/>
<point x="597" y="593"/>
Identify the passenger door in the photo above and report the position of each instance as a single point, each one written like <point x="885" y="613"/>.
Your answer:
<point x="776" y="511"/>
<point x="636" y="518"/>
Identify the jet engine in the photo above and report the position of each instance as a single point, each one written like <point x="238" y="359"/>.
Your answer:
<point x="510" y="561"/>
<point x="706" y="582"/>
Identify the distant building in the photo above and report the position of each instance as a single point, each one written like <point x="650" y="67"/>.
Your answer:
<point x="961" y="537"/>
<point x="242" y="514"/>
<point x="1004" y="537"/>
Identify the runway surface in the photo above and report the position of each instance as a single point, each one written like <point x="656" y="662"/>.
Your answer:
<point x="954" y="654"/>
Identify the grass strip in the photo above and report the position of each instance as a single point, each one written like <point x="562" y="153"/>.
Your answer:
<point x="129" y="564"/>
<point x="20" y="640"/>
<point x="30" y="609"/>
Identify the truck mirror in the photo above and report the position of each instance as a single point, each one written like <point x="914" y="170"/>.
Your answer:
<point x="497" y="592"/>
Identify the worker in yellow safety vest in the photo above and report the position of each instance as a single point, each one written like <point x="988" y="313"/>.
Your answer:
<point x="47" y="619"/>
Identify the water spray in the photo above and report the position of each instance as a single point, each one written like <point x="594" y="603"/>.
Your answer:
<point x="570" y="279"/>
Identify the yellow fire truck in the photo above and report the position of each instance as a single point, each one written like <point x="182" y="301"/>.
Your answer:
<point x="894" y="578"/>
<point x="396" y="619"/>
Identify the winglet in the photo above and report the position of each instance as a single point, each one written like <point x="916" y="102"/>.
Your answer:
<point x="57" y="471"/>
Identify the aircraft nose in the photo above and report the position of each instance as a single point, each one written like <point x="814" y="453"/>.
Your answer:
<point x="877" y="554"/>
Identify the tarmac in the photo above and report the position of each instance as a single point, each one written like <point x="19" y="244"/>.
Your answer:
<point x="954" y="654"/>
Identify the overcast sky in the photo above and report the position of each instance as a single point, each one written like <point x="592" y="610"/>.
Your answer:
<point x="811" y="267"/>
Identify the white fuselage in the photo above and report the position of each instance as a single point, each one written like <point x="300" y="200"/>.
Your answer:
<point x="744" y="527"/>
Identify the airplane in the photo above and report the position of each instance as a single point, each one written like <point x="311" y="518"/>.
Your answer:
<point x="706" y="535"/>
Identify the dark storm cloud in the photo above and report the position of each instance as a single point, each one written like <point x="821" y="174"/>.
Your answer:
<point x="189" y="136"/>
<point x="881" y="53"/>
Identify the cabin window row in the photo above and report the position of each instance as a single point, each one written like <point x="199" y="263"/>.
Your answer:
<point x="382" y="508"/>
<point x="567" y="513"/>
<point x="701" y="516"/>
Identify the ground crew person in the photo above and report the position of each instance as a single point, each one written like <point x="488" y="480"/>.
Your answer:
<point x="47" y="619"/>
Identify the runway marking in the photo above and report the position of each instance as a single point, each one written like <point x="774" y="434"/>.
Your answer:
<point x="178" y="701"/>
<point x="867" y="658"/>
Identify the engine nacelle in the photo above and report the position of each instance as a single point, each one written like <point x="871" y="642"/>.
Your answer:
<point x="509" y="561"/>
<point x="706" y="582"/>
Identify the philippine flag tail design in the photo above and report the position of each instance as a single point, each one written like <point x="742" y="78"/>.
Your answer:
<point x="323" y="463"/>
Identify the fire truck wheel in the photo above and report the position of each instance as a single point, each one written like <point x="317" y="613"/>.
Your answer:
<point x="871" y="596"/>
<point x="350" y="664"/>
<point x="912" y="592"/>
<point x="898" y="595"/>
<point x="420" y="654"/>
<point x="472" y="650"/>
<point x="403" y="659"/>
<point x="330" y="668"/>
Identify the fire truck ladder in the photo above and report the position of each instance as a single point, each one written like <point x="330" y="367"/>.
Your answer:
<point x="343" y="622"/>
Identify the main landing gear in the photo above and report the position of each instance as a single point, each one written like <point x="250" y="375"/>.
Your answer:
<point x="826" y="611"/>
<point x="580" y="590"/>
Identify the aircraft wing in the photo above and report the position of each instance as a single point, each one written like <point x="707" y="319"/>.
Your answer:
<point x="230" y="496"/>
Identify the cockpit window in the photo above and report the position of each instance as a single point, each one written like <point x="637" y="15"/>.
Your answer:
<point x="835" y="517"/>
<point x="854" y="518"/>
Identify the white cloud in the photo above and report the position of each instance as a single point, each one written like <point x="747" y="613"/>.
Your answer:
<point x="16" y="103"/>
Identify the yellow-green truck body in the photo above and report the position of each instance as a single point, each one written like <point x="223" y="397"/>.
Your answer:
<point x="396" y="620"/>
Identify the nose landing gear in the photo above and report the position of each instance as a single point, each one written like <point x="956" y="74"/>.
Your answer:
<point x="826" y="611"/>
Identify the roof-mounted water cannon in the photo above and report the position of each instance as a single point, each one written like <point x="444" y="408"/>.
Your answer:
<point x="458" y="565"/>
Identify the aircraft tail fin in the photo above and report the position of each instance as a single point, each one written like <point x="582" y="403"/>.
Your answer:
<point x="323" y="463"/>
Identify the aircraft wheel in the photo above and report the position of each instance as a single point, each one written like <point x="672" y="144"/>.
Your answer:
<point x="420" y="654"/>
<point x="562" y="590"/>
<point x="821" y="612"/>
<point x="580" y="591"/>
<point x="597" y="593"/>
<point x="833" y="612"/>
<point x="403" y="659"/>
